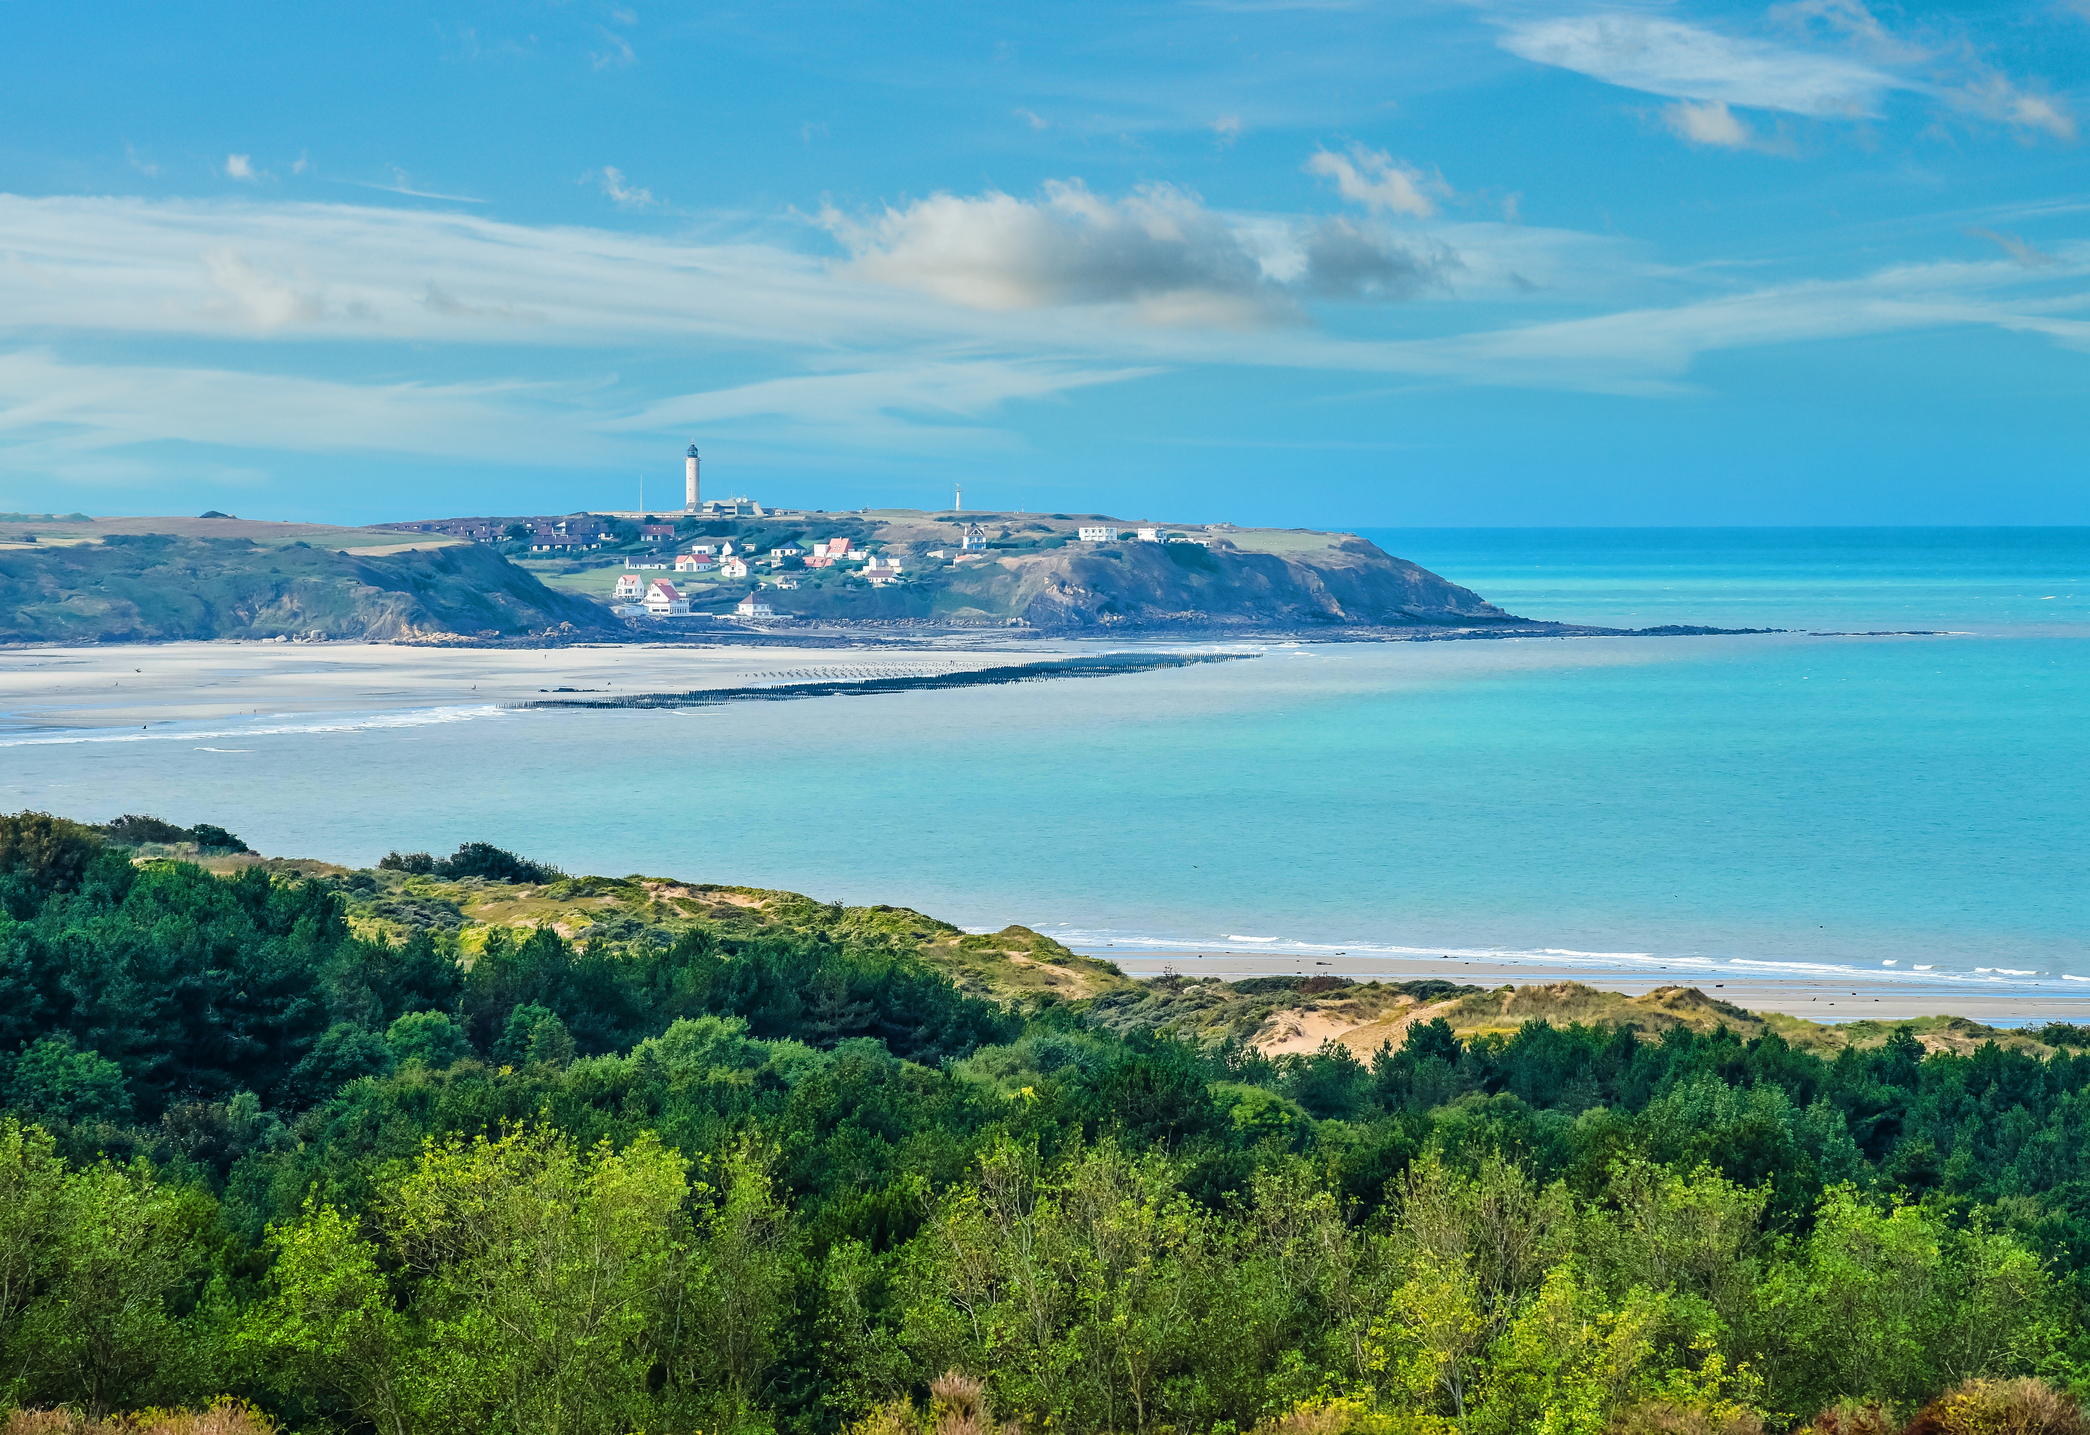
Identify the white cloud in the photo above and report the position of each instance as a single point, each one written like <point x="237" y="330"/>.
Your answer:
<point x="1159" y="249"/>
<point x="1377" y="180"/>
<point x="624" y="196"/>
<point x="139" y="162"/>
<point x="1993" y="96"/>
<point x="1036" y="121"/>
<point x="1707" y="123"/>
<point x="240" y="166"/>
<point x="1685" y="62"/>
<point x="1228" y="128"/>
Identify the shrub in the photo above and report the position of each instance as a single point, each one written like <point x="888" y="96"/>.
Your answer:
<point x="1852" y="1417"/>
<point x="50" y="853"/>
<point x="225" y="1417"/>
<point x="2001" y="1407"/>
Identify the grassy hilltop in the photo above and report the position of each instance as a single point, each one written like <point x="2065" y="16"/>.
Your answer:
<point x="1037" y="573"/>
<point x="466" y="1144"/>
<point x="125" y="581"/>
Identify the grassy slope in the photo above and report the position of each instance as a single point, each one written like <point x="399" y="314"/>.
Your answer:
<point x="1020" y="965"/>
<point x="143" y="588"/>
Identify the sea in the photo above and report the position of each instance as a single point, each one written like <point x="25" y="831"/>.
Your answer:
<point x="1897" y="780"/>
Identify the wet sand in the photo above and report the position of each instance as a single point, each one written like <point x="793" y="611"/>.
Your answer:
<point x="1849" y="995"/>
<point x="146" y="685"/>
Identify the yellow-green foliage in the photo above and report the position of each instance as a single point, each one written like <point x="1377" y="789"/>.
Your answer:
<point x="223" y="1417"/>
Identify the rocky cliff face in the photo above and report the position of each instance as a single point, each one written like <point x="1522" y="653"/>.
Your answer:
<point x="154" y="588"/>
<point x="1346" y="582"/>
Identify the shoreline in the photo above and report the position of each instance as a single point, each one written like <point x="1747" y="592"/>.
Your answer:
<point x="1831" y="996"/>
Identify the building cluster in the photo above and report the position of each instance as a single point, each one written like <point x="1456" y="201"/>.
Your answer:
<point x="1147" y="534"/>
<point x="636" y="595"/>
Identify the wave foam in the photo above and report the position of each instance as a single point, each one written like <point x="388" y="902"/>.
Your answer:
<point x="368" y="722"/>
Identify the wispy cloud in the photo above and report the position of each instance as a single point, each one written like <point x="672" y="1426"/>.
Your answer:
<point x="1227" y="128"/>
<point x="401" y="185"/>
<point x="1686" y="62"/>
<point x="139" y="162"/>
<point x="2015" y="247"/>
<point x="1031" y="117"/>
<point x="623" y="195"/>
<point x="1378" y="181"/>
<point x="240" y="166"/>
<point x="617" y="52"/>
<point x="1994" y="96"/>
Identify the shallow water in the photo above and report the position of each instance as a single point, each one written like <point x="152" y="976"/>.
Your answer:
<point x="1787" y="799"/>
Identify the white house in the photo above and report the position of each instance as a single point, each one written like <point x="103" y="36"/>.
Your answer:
<point x="725" y="550"/>
<point x="693" y="562"/>
<point x="1150" y="535"/>
<point x="704" y="550"/>
<point x="662" y="601"/>
<point x="1096" y="535"/>
<point x="752" y="606"/>
<point x="789" y="550"/>
<point x="975" y="539"/>
<point x="733" y="568"/>
<point x="784" y="580"/>
<point x="629" y="587"/>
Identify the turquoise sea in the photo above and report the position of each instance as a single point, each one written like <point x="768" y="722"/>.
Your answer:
<point x="1775" y="802"/>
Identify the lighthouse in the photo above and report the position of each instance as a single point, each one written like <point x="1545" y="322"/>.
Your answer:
<point x="689" y="481"/>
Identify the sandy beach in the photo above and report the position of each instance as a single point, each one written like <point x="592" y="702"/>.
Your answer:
<point x="1842" y="994"/>
<point x="48" y="689"/>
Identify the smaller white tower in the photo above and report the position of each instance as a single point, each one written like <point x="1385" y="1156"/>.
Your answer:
<point x="689" y="481"/>
<point x="957" y="498"/>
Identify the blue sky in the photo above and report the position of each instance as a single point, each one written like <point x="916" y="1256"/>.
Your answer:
<point x="1275" y="261"/>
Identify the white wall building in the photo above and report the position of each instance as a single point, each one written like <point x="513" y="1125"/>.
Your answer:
<point x="1096" y="535"/>
<point x="629" y="586"/>
<point x="663" y="601"/>
<point x="1150" y="535"/>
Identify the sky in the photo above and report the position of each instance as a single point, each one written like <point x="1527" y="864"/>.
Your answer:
<point x="1298" y="262"/>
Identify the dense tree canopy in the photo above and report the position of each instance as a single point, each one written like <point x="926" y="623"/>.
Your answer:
<point x="783" y="1183"/>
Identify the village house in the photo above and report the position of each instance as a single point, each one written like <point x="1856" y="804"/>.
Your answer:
<point x="783" y="581"/>
<point x="629" y="586"/>
<point x="753" y="606"/>
<point x="1150" y="535"/>
<point x="1095" y="535"/>
<point x="789" y="550"/>
<point x="975" y="539"/>
<point x="692" y="562"/>
<point x="733" y="568"/>
<point x="657" y="532"/>
<point x="662" y="601"/>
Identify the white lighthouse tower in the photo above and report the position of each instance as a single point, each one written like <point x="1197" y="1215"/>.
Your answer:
<point x="689" y="482"/>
